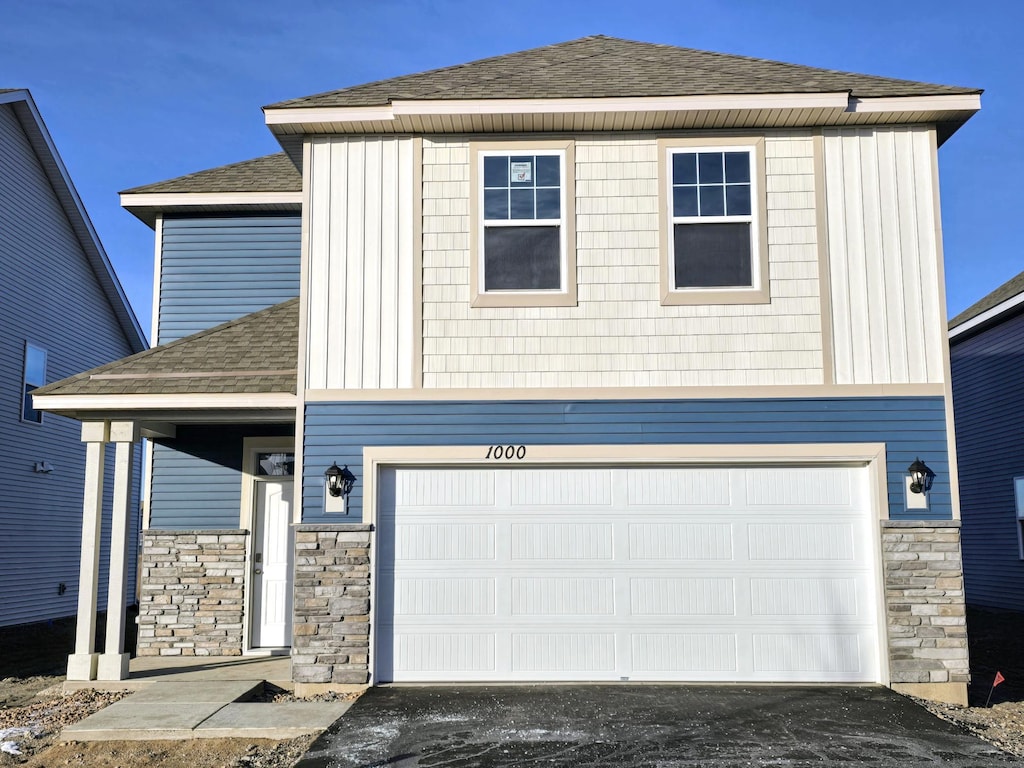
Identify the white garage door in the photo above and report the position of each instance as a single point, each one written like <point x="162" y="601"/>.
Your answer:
<point x="672" y="573"/>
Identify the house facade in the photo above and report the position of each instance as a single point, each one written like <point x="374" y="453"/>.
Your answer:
<point x="986" y="343"/>
<point x="625" y="350"/>
<point x="61" y="310"/>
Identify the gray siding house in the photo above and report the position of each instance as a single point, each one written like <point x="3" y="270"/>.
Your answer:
<point x="61" y="310"/>
<point x="599" y="361"/>
<point x="987" y="358"/>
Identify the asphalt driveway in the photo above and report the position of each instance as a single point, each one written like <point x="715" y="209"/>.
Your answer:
<point x="627" y="726"/>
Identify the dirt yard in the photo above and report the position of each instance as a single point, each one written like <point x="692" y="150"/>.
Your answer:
<point x="31" y="665"/>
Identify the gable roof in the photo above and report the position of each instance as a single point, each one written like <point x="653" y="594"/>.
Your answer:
<point x="1008" y="296"/>
<point x="270" y="173"/>
<point x="39" y="137"/>
<point x="608" y="67"/>
<point x="255" y="354"/>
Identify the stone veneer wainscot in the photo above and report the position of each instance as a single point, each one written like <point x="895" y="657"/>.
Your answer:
<point x="331" y="642"/>
<point x="192" y="597"/>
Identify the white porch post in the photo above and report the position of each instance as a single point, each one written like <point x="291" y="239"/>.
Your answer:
<point x="113" y="662"/>
<point x="82" y="663"/>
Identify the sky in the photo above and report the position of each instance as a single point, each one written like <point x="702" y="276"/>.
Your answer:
<point x="137" y="91"/>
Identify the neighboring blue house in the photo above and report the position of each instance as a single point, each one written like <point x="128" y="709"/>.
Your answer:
<point x="61" y="310"/>
<point x="987" y="354"/>
<point x="600" y="361"/>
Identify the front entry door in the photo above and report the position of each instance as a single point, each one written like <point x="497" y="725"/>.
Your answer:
<point x="272" y="556"/>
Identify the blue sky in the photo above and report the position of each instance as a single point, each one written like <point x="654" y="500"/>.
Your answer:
<point x="135" y="91"/>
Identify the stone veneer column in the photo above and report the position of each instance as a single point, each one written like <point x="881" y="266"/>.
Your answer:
<point x="192" y="595"/>
<point x="925" y="609"/>
<point x="331" y="644"/>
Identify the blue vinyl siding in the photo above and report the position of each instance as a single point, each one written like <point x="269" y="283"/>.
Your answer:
<point x="50" y="297"/>
<point x="197" y="477"/>
<point x="988" y="404"/>
<point x="213" y="270"/>
<point x="909" y="426"/>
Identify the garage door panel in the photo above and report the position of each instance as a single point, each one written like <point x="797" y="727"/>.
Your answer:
<point x="562" y="541"/>
<point x="680" y="541"/>
<point x="450" y="488"/>
<point x="550" y="585"/>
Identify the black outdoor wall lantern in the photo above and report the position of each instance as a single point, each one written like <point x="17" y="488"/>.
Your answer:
<point x="339" y="480"/>
<point x="919" y="476"/>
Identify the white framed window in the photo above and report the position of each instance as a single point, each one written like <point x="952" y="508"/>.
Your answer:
<point x="1018" y="498"/>
<point x="714" y="222"/>
<point x="33" y="377"/>
<point x="524" y="252"/>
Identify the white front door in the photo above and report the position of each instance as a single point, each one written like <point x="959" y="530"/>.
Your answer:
<point x="271" y="562"/>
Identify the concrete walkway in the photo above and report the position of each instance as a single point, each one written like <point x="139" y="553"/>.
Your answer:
<point x="197" y="699"/>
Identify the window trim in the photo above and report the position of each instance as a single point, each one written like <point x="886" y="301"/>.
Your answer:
<point x="759" y="293"/>
<point x="1018" y="505"/>
<point x="24" y="380"/>
<point x="566" y="297"/>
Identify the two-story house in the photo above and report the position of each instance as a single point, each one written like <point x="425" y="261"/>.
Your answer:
<point x="62" y="309"/>
<point x="599" y="361"/>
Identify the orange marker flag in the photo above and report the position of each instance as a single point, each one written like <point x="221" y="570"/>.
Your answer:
<point x="996" y="681"/>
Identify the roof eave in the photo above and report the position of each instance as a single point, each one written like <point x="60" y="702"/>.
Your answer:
<point x="148" y="206"/>
<point x="639" y="113"/>
<point x="990" y="317"/>
<point x="46" y="151"/>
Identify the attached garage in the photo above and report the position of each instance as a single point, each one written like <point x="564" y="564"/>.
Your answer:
<point x="607" y="573"/>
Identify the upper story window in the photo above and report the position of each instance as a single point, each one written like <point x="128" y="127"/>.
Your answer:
<point x="1018" y="497"/>
<point x="34" y="377"/>
<point x="524" y="251"/>
<point x="714" y="222"/>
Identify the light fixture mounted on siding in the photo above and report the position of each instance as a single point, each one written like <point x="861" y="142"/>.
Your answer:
<point x="920" y="476"/>
<point x="339" y="480"/>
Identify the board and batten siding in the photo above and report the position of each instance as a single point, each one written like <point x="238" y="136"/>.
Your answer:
<point x="360" y="278"/>
<point x="619" y="334"/>
<point x="909" y="427"/>
<point x="49" y="296"/>
<point x="988" y="406"/>
<point x="216" y="269"/>
<point x="883" y="246"/>
<point x="197" y="476"/>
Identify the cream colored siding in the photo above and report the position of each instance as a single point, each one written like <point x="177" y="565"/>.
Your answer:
<point x="883" y="252"/>
<point x="620" y="335"/>
<point x="360" y="264"/>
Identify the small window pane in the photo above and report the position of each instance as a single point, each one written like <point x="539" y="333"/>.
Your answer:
<point x="548" y="204"/>
<point x="34" y="376"/>
<point x="684" y="201"/>
<point x="710" y="167"/>
<point x="521" y="203"/>
<point x="522" y="171"/>
<point x="712" y="201"/>
<point x="522" y="259"/>
<point x="495" y="171"/>
<point x="712" y="255"/>
<point x="737" y="200"/>
<point x="547" y="171"/>
<point x="275" y="464"/>
<point x="684" y="168"/>
<point x="496" y="204"/>
<point x="737" y="166"/>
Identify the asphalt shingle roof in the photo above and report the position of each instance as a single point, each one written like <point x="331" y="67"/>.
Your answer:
<point x="271" y="173"/>
<point x="1007" y="290"/>
<point x="254" y="354"/>
<point x="607" y="67"/>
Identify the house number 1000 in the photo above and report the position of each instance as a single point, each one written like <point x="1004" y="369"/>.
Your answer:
<point x="506" y="452"/>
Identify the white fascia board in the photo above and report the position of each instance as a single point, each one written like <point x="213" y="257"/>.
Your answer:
<point x="756" y="101"/>
<point x="223" y="401"/>
<point x="328" y="115"/>
<point x="988" y="315"/>
<point x="170" y="199"/>
<point x="968" y="102"/>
